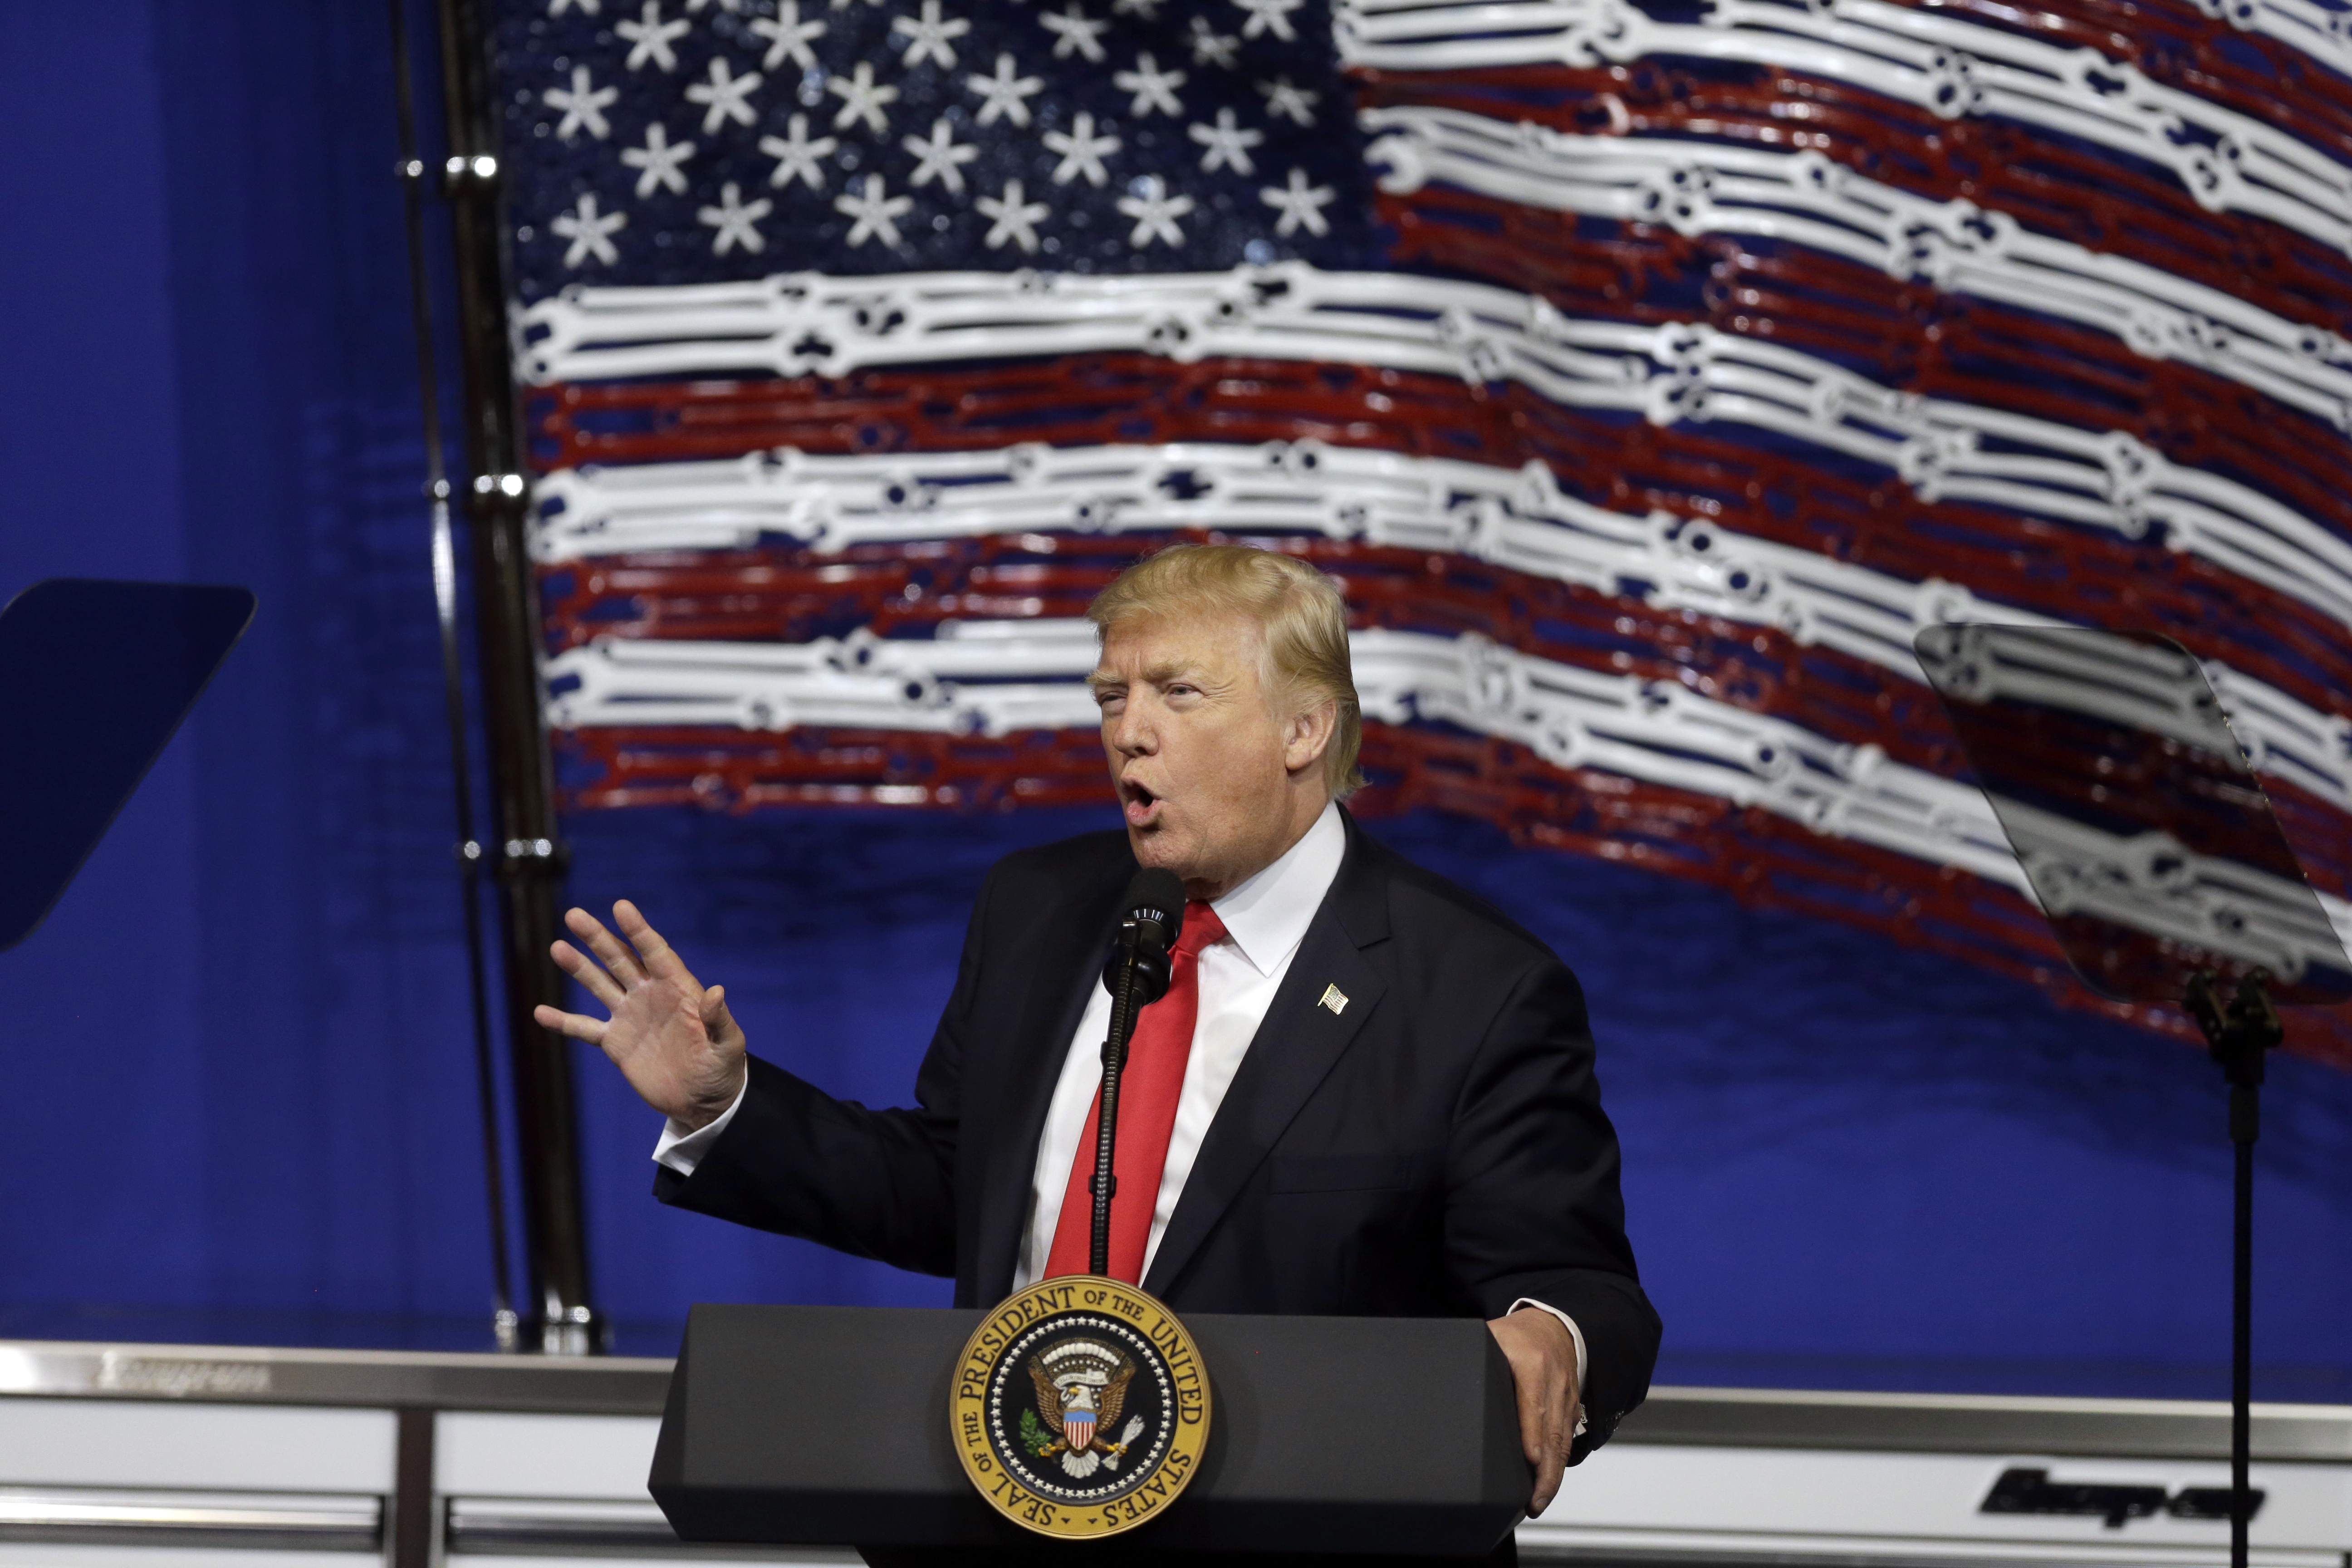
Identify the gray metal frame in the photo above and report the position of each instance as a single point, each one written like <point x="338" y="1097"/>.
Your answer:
<point x="1732" y="1417"/>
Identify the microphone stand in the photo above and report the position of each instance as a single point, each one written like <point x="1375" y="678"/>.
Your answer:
<point x="1114" y="1059"/>
<point x="2239" y="1033"/>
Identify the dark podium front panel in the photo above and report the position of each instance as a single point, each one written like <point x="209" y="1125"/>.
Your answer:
<point x="828" y="1425"/>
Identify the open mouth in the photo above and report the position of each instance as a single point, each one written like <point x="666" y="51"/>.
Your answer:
<point x="1142" y="807"/>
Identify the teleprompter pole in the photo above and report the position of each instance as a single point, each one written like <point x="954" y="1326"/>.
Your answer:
<point x="2239" y="1035"/>
<point x="505" y="1325"/>
<point x="529" y="857"/>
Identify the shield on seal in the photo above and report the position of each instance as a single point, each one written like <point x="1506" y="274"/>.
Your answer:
<point x="1079" y="1429"/>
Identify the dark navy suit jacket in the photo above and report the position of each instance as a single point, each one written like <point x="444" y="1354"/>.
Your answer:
<point x="1437" y="1148"/>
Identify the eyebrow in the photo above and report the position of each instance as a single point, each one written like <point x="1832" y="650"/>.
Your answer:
<point x="1160" y="674"/>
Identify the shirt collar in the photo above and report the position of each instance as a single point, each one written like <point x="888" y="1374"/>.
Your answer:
<point x="1269" y="914"/>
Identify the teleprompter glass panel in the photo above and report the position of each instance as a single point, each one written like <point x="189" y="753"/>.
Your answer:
<point x="2145" y="836"/>
<point x="95" y="677"/>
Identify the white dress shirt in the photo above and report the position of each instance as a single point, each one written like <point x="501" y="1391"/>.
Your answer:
<point x="1265" y="919"/>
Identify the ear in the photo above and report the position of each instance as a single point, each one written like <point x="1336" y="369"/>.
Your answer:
<point x="1308" y="736"/>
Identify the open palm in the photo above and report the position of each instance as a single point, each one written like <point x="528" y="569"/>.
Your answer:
<point x="672" y="1039"/>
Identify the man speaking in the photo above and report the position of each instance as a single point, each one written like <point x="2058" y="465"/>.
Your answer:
<point x="1366" y="1092"/>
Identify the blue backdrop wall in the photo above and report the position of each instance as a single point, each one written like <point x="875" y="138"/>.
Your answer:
<point x="238" y="1099"/>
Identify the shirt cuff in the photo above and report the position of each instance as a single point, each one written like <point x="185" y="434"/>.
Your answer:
<point x="1574" y="1333"/>
<point x="681" y="1151"/>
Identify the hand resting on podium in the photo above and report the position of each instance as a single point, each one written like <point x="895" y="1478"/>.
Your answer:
<point x="672" y="1038"/>
<point x="1545" y="1374"/>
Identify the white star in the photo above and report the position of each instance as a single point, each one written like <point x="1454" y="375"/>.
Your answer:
<point x="796" y="157"/>
<point x="929" y="36"/>
<point x="1210" y="47"/>
<point x="650" y="38"/>
<point x="843" y="5"/>
<point x="1269" y="15"/>
<point x="583" y="105"/>
<point x="590" y="232"/>
<point x="723" y="4"/>
<point x="939" y="157"/>
<point x="1082" y="151"/>
<point x="1155" y="212"/>
<point x="1291" y="102"/>
<point x="555" y="8"/>
<point x="875" y="212"/>
<point x="735" y="222"/>
<point x="1001" y="93"/>
<point x="1228" y="144"/>
<point x="861" y="99"/>
<point x="1016" y="219"/>
<point x="1147" y="9"/>
<point x="788" y="36"/>
<point x="658" y="162"/>
<point x="1301" y="207"/>
<point x="1074" y="32"/>
<point x="1153" y="88"/>
<point x="725" y="97"/>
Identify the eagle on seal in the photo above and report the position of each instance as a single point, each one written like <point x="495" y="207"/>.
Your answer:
<point x="1083" y="1402"/>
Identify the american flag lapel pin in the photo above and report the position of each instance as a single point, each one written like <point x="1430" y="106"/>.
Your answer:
<point x="1335" y="999"/>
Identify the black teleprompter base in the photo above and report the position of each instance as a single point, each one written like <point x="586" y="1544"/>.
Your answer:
<point x="828" y="1425"/>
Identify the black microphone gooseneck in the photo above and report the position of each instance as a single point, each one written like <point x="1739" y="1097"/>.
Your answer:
<point x="1150" y="917"/>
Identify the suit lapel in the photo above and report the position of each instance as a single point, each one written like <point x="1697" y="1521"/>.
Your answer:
<point x="1293" y="1050"/>
<point x="1064" y="965"/>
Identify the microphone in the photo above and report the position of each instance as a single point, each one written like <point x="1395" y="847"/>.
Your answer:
<point x="1154" y="909"/>
<point x="1150" y="917"/>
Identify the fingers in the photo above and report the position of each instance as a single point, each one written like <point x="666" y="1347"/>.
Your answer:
<point x="1560" y="1422"/>
<point x="1535" y="1440"/>
<point x="1542" y="1358"/>
<point x="575" y="1024"/>
<point x="716" y="1021"/>
<point x="1545" y="1420"/>
<point x="598" y="983"/>
<point x="609" y="950"/>
<point x="660" y="959"/>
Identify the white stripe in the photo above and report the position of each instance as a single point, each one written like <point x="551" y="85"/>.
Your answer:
<point x="2320" y="31"/>
<point x="1704" y="187"/>
<point x="2229" y="161"/>
<point x="1670" y="374"/>
<point x="2154" y="687"/>
<point x="1516" y="520"/>
<point x="996" y="677"/>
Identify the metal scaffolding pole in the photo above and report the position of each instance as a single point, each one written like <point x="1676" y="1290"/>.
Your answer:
<point x="527" y="857"/>
<point x="505" y="1324"/>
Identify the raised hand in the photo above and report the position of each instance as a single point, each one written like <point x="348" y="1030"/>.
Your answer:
<point x="672" y="1040"/>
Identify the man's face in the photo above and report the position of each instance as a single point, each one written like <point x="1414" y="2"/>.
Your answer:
<point x="1212" y="780"/>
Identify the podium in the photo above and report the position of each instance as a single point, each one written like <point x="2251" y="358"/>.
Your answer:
<point x="828" y="1425"/>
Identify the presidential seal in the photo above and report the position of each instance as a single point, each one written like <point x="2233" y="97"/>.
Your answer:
<point x="1080" y="1407"/>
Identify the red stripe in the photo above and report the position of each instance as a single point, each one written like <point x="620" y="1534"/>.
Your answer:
<point x="794" y="596"/>
<point x="1764" y="860"/>
<point x="2105" y="204"/>
<point x="2174" y="43"/>
<point x="2049" y="567"/>
<point x="1910" y="335"/>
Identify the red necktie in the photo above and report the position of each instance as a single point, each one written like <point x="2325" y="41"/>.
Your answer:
<point x="1148" y="1092"/>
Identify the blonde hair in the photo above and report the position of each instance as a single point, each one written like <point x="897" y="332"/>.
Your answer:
<point x="1299" y="611"/>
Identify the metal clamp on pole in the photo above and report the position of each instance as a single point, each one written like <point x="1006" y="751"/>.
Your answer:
<point x="458" y="171"/>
